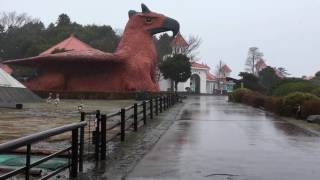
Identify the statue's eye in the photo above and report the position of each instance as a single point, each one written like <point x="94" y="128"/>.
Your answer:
<point x="148" y="20"/>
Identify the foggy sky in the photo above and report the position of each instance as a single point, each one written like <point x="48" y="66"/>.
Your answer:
<point x="286" y="31"/>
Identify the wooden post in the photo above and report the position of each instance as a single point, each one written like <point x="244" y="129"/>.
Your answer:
<point x="83" y="116"/>
<point x="74" y="155"/>
<point x="135" y="117"/>
<point x="103" y="136"/>
<point x="151" y="109"/>
<point x="123" y="124"/>
<point x="144" y="105"/>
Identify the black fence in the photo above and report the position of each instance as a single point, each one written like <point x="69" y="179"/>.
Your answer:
<point x="122" y="121"/>
<point x="126" y="119"/>
<point x="32" y="139"/>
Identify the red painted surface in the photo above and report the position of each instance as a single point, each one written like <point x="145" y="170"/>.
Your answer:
<point x="6" y="68"/>
<point x="82" y="68"/>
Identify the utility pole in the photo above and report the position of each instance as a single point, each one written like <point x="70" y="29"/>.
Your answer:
<point x="219" y="77"/>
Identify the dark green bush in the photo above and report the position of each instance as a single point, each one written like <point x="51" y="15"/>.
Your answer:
<point x="316" y="92"/>
<point x="311" y="107"/>
<point x="293" y="100"/>
<point x="300" y="86"/>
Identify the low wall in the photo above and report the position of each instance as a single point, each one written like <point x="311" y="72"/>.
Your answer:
<point x="101" y="95"/>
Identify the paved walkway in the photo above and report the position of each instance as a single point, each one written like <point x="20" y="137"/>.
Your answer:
<point x="214" y="139"/>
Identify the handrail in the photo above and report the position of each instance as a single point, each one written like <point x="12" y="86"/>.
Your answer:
<point x="113" y="114"/>
<point x="39" y="136"/>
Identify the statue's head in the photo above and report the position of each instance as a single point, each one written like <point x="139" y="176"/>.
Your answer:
<point x="152" y="22"/>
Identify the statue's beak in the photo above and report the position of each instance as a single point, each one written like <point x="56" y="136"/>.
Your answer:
<point x="169" y="24"/>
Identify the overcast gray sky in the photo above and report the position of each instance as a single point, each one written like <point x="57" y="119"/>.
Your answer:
<point x="286" y="31"/>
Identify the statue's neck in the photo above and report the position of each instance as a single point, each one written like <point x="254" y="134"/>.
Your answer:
<point x="136" y="41"/>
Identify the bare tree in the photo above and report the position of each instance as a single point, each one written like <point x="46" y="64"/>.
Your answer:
<point x="254" y="55"/>
<point x="222" y="71"/>
<point x="194" y="43"/>
<point x="283" y="72"/>
<point x="12" y="19"/>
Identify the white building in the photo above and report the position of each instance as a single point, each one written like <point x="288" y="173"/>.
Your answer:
<point x="201" y="80"/>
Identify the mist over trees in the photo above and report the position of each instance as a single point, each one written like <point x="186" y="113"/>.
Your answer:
<point x="23" y="36"/>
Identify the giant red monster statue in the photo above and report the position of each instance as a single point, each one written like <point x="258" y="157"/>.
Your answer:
<point x="131" y="68"/>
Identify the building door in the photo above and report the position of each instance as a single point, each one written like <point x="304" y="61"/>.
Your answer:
<point x="195" y="83"/>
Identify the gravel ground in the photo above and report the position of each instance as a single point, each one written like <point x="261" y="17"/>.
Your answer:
<point x="37" y="117"/>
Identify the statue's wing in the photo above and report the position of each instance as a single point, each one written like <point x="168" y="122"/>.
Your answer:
<point x="75" y="57"/>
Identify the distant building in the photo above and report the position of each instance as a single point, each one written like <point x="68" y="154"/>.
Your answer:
<point x="201" y="80"/>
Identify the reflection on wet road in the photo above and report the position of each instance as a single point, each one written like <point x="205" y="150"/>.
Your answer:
<point x="215" y="139"/>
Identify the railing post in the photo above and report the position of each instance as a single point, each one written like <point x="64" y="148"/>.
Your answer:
<point x="168" y="102"/>
<point x="160" y="104"/>
<point x="151" y="108"/>
<point x="123" y="123"/>
<point x="135" y="117"/>
<point x="164" y="103"/>
<point x="144" y="105"/>
<point x="28" y="161"/>
<point x="83" y="116"/>
<point x="103" y="136"/>
<point x="157" y="107"/>
<point x="74" y="154"/>
<point x="97" y="139"/>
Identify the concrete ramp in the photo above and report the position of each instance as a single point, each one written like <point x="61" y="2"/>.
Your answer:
<point x="13" y="95"/>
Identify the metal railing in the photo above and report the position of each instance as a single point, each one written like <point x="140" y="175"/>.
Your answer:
<point x="128" y="118"/>
<point x="34" y="138"/>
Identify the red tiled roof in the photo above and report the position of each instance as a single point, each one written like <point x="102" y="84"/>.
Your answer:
<point x="198" y="65"/>
<point x="70" y="44"/>
<point x="179" y="41"/>
<point x="210" y="76"/>
<point x="6" y="68"/>
<point x="226" y="69"/>
<point x="76" y="50"/>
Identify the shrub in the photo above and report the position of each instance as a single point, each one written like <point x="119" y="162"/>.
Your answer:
<point x="253" y="99"/>
<point x="300" y="86"/>
<point x="316" y="92"/>
<point x="274" y="104"/>
<point x="293" y="100"/>
<point x="311" y="107"/>
<point x="238" y="94"/>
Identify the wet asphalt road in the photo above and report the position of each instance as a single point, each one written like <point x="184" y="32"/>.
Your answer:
<point x="215" y="139"/>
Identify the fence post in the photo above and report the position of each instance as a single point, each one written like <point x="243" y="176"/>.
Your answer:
<point x="135" y="117"/>
<point x="83" y="116"/>
<point x="123" y="123"/>
<point x="97" y="139"/>
<point x="103" y="136"/>
<point x="144" y="105"/>
<point x="151" y="108"/>
<point x="28" y="160"/>
<point x="164" y="103"/>
<point x="160" y="104"/>
<point x="74" y="155"/>
<point x="168" y="102"/>
<point x="157" y="107"/>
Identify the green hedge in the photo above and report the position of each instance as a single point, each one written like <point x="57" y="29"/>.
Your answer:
<point x="288" y="105"/>
<point x="316" y="92"/>
<point x="291" y="87"/>
<point x="293" y="100"/>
